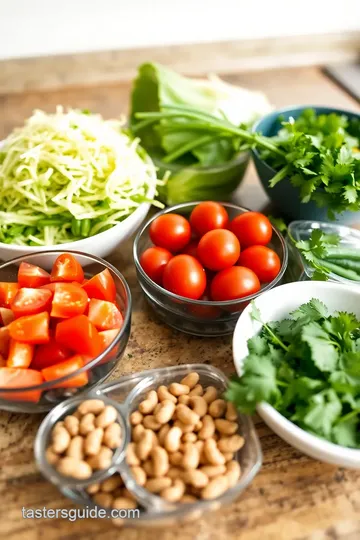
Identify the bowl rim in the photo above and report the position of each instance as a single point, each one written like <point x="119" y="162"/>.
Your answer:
<point x="265" y="410"/>
<point x="190" y="301"/>
<point x="127" y="318"/>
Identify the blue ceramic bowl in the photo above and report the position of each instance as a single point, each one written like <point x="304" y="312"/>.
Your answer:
<point x="284" y="196"/>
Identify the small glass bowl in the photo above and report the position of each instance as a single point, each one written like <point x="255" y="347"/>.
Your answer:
<point x="199" y="317"/>
<point x="125" y="394"/>
<point x="97" y="369"/>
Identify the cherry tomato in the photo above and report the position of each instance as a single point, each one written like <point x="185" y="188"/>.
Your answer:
<point x="104" y="315"/>
<point x="205" y="311"/>
<point x="31" y="301"/>
<point x="101" y="286"/>
<point x="153" y="262"/>
<point x="191" y="248"/>
<point x="7" y="293"/>
<point x="207" y="216"/>
<point x="6" y="316"/>
<point x="67" y="268"/>
<point x="185" y="276"/>
<point x="234" y="282"/>
<point x="19" y="378"/>
<point x="49" y="354"/>
<point x="79" y="334"/>
<point x="251" y="228"/>
<point x="170" y="231"/>
<point x="30" y="275"/>
<point x="66" y="367"/>
<point x="4" y="341"/>
<point x="261" y="260"/>
<point x="218" y="249"/>
<point x="33" y="329"/>
<point x="69" y="300"/>
<point x="20" y="354"/>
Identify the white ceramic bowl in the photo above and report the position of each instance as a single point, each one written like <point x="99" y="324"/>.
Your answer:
<point x="277" y="304"/>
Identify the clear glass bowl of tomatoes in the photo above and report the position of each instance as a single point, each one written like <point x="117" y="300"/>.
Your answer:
<point x="65" y="322"/>
<point x="199" y="264"/>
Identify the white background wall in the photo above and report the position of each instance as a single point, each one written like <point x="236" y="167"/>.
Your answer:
<point x="42" y="27"/>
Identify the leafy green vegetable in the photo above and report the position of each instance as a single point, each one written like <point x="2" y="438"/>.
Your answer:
<point x="308" y="368"/>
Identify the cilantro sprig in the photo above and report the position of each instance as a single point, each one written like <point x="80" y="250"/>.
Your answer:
<point x="308" y="368"/>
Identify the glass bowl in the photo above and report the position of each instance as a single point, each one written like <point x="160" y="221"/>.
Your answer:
<point x="125" y="394"/>
<point x="199" y="317"/>
<point x="97" y="369"/>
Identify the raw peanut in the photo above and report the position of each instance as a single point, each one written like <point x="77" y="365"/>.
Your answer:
<point x="58" y="425"/>
<point x="174" y="472"/>
<point x="155" y="440"/>
<point x="191" y="379"/>
<point x="94" y="406"/>
<point x="208" y="428"/>
<point x="199" y="445"/>
<point x="210" y="394"/>
<point x="184" y="399"/>
<point x="151" y="423"/>
<point x="185" y="428"/>
<point x="51" y="456"/>
<point x="176" y="458"/>
<point x="191" y="456"/>
<point x="225" y="427"/>
<point x="216" y="487"/>
<point x="186" y="415"/>
<point x="198" y="426"/>
<point x="93" y="488"/>
<point x="107" y="417"/>
<point x="155" y="485"/>
<point x="102" y="460"/>
<point x="163" y="393"/>
<point x="160" y="461"/>
<point x="203" y="460"/>
<point x="231" y="444"/>
<point x="126" y="493"/>
<point x="139" y="475"/>
<point x="72" y="424"/>
<point x="148" y="405"/>
<point x="217" y="408"/>
<point x="157" y="408"/>
<point x="131" y="457"/>
<point x="177" y="389"/>
<point x="162" y="433"/>
<point x="137" y="432"/>
<point x="233" y="472"/>
<point x="92" y="443"/>
<point x="87" y="423"/>
<point x="196" y="478"/>
<point x="77" y="414"/>
<point x="103" y="499"/>
<point x="172" y="439"/>
<point x="212" y="453"/>
<point x="117" y="493"/>
<point x="144" y="446"/>
<point x="112" y="436"/>
<point x="216" y="436"/>
<point x="231" y="412"/>
<point x="189" y="437"/>
<point x="148" y="468"/>
<point x="69" y="466"/>
<point x="228" y="456"/>
<point x="124" y="503"/>
<point x="76" y="448"/>
<point x="196" y="391"/>
<point x="136" y="418"/>
<point x="198" y="405"/>
<point x="188" y="499"/>
<point x="112" y="483"/>
<point x="60" y="440"/>
<point x="213" y="470"/>
<point x="175" y="492"/>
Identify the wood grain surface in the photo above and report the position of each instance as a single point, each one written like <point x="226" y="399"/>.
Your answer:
<point x="293" y="497"/>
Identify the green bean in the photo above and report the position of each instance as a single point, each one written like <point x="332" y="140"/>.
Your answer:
<point x="50" y="222"/>
<point x="75" y="227"/>
<point x="85" y="227"/>
<point x="346" y="263"/>
<point x="343" y="253"/>
<point x="339" y="270"/>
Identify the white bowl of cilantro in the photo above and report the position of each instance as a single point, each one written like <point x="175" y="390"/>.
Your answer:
<point x="72" y="180"/>
<point x="297" y="354"/>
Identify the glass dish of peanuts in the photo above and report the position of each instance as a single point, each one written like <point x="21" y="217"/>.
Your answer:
<point x="163" y="441"/>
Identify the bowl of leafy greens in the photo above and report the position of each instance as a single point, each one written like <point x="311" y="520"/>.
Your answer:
<point x="315" y="173"/>
<point x="297" y="354"/>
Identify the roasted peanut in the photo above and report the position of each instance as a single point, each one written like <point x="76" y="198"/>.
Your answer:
<point x="228" y="456"/>
<point x="190" y="380"/>
<point x="145" y="444"/>
<point x="93" y="488"/>
<point x="87" y="423"/>
<point x="112" y="436"/>
<point x="94" y="406"/>
<point x="198" y="405"/>
<point x="103" y="499"/>
<point x="186" y="415"/>
<point x="174" y="472"/>
<point x="160" y="461"/>
<point x="163" y="393"/>
<point x="198" y="426"/>
<point x="233" y="472"/>
<point x="69" y="466"/>
<point x="212" y="453"/>
<point x="139" y="475"/>
<point x="208" y="428"/>
<point x="150" y="422"/>
<point x="196" y="478"/>
<point x="231" y="444"/>
<point x="210" y="394"/>
<point x="191" y="456"/>
<point x="102" y="460"/>
<point x="72" y="424"/>
<point x="189" y="437"/>
<point x="92" y="443"/>
<point x="172" y="439"/>
<point x="112" y="483"/>
<point x="177" y="389"/>
<point x="216" y="487"/>
<point x="176" y="458"/>
<point x="217" y="408"/>
<point x="131" y="457"/>
<point x="174" y="492"/>
<point x="184" y="399"/>
<point x="157" y="408"/>
<point x="185" y="428"/>
<point x="148" y="405"/>
<point x="148" y="468"/>
<point x="199" y="445"/>
<point x="76" y="448"/>
<point x="60" y="440"/>
<point x="213" y="470"/>
<point x="188" y="499"/>
<point x="107" y="417"/>
<point x="231" y="412"/>
<point x="123" y="503"/>
<point x="155" y="485"/>
<point x="126" y="493"/>
<point x="225" y="427"/>
<point x="136" y="418"/>
<point x="164" y="430"/>
<point x="51" y="456"/>
<point x="137" y="432"/>
<point x="58" y="425"/>
<point x="196" y="391"/>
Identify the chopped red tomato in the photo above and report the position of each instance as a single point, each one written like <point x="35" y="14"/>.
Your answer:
<point x="2" y="361"/>
<point x="6" y="316"/>
<point x="65" y="368"/>
<point x="80" y="335"/>
<point x="49" y="287"/>
<point x="49" y="354"/>
<point x="20" y="378"/>
<point x="104" y="315"/>
<point x="67" y="268"/>
<point x="107" y="337"/>
<point x="101" y="286"/>
<point x="7" y="293"/>
<point x="32" y="329"/>
<point x="4" y="341"/>
<point x="30" y="275"/>
<point x="20" y="354"/>
<point x="31" y="301"/>
<point x="69" y="300"/>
